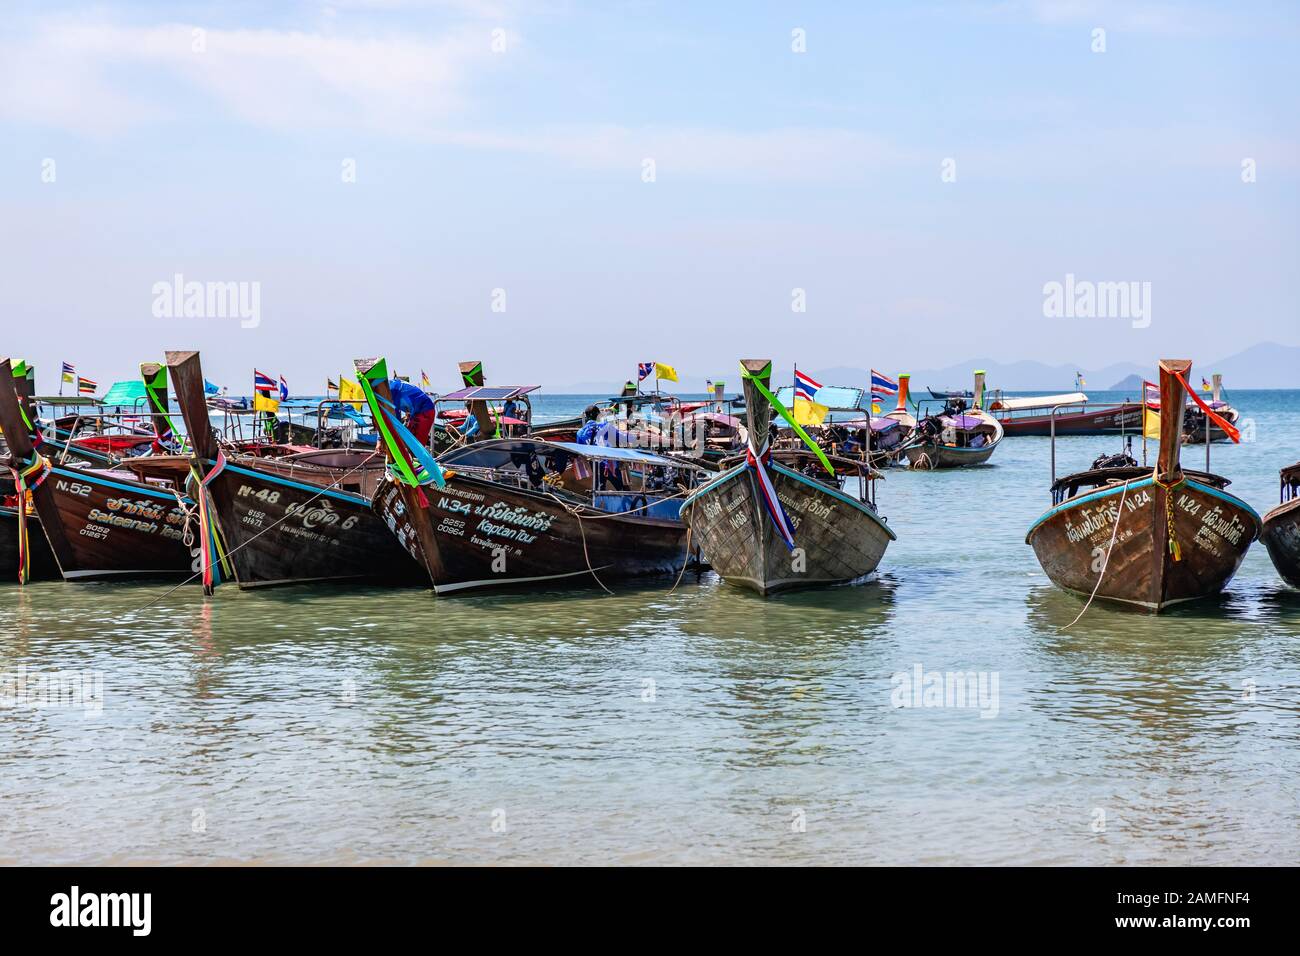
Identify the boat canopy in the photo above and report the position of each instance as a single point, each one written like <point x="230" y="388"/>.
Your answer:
<point x="488" y="393"/>
<point x="501" y="452"/>
<point x="837" y="398"/>
<point x="1038" y="401"/>
<point x="65" y="401"/>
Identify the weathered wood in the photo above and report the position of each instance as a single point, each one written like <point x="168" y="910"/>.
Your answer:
<point x="1176" y="538"/>
<point x="838" y="539"/>
<point x="290" y="521"/>
<point x="99" y="524"/>
<point x="1281" y="533"/>
<point x="477" y="535"/>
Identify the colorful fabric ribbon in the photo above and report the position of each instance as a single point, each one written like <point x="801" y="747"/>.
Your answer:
<point x="407" y="453"/>
<point x="24" y="487"/>
<point x="760" y="461"/>
<point x="1228" y="428"/>
<point x="212" y="557"/>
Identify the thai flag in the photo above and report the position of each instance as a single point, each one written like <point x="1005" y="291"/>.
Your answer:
<point x="1151" y="393"/>
<point x="644" y="370"/>
<point x="284" y="389"/>
<point x="805" y="386"/>
<point x="882" y="386"/>
<point x="263" y="383"/>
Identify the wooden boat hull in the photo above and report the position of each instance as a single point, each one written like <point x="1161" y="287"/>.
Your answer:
<point x="930" y="455"/>
<point x="476" y="535"/>
<point x="1213" y="529"/>
<point x="1281" y="536"/>
<point x="110" y="527"/>
<point x="1107" y="421"/>
<point x="280" y="531"/>
<point x="838" y="540"/>
<point x="43" y="566"/>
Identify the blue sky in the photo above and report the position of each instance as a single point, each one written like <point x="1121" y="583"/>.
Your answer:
<point x="522" y="170"/>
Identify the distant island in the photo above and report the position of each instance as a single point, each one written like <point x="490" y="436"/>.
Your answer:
<point x="1265" y="365"/>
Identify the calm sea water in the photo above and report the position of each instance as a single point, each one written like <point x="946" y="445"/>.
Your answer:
<point x="326" y="725"/>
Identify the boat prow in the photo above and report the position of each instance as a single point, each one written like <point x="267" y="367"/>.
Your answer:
<point x="1147" y="537"/>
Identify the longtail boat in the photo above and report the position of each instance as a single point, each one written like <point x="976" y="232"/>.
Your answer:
<point x="942" y="395"/>
<point x="1068" y="414"/>
<point x="522" y="512"/>
<point x="289" y="520"/>
<point x="1282" y="528"/>
<point x="765" y="526"/>
<point x="99" y="523"/>
<point x="1198" y="424"/>
<point x="956" y="437"/>
<point x="1150" y="537"/>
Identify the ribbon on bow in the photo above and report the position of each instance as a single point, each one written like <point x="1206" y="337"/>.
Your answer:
<point x="759" y="462"/>
<point x="24" y="486"/>
<point x="212" y="555"/>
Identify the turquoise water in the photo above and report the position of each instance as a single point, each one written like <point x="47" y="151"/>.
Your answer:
<point x="702" y="725"/>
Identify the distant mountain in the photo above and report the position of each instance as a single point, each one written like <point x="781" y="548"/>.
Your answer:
<point x="1267" y="365"/>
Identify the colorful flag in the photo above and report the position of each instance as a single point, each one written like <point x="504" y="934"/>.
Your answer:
<point x="351" y="392"/>
<point x="209" y="388"/>
<point x="86" y="386"/>
<point x="1205" y="386"/>
<point x="882" y="386"/>
<point x="263" y="383"/>
<point x="665" y="372"/>
<point x="261" y="403"/>
<point x="331" y="385"/>
<point x="644" y="370"/>
<point x="69" y="373"/>
<point x="424" y="380"/>
<point x="805" y="386"/>
<point x="284" y="389"/>
<point x="806" y="411"/>
<point x="1078" y="381"/>
<point x="1150" y="411"/>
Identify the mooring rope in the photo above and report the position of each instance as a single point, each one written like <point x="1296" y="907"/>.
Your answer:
<point x="1119" y="513"/>
<point x="333" y="484"/>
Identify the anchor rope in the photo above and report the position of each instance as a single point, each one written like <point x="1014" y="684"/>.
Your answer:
<point x="1119" y="513"/>
<point x="332" y="485"/>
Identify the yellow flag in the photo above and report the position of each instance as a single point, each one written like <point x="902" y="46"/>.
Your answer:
<point x="665" y="372"/>
<point x="1150" y="423"/>
<point x="351" y="392"/>
<point x="263" y="404"/>
<point x="809" y="413"/>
